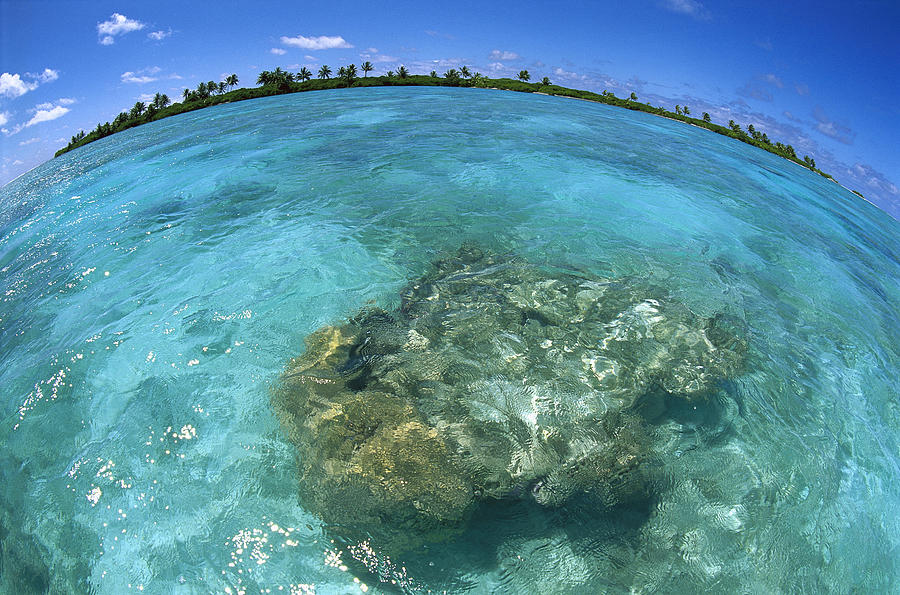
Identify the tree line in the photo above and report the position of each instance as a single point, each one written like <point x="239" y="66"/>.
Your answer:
<point x="281" y="81"/>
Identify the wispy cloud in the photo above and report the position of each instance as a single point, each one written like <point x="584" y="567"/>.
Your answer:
<point x="46" y="115"/>
<point x="47" y="76"/>
<point x="4" y="118"/>
<point x="801" y="88"/>
<point x="372" y="55"/>
<point x="30" y="141"/>
<point x="773" y="80"/>
<point x="278" y="51"/>
<point x="118" y="24"/>
<point x="765" y="44"/>
<point x="159" y="35"/>
<point x="66" y="101"/>
<point x="503" y="55"/>
<point x="145" y="75"/>
<point x="876" y="181"/>
<point x="759" y="87"/>
<point x="690" y="8"/>
<point x="12" y="85"/>
<point x="323" y="42"/>
<point x="830" y="128"/>
<point x="433" y="33"/>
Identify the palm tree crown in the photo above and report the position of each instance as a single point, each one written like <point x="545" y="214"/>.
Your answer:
<point x="524" y="76"/>
<point x="367" y="68"/>
<point x="324" y="72"/>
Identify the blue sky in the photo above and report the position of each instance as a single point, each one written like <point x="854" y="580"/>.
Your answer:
<point x="820" y="76"/>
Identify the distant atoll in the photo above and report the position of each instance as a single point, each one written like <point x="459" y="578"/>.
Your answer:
<point x="279" y="82"/>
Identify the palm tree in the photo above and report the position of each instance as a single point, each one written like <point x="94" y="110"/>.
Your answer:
<point x="160" y="101"/>
<point x="136" y="111"/>
<point x="232" y="80"/>
<point x="222" y="86"/>
<point x="280" y="76"/>
<point x="464" y="72"/>
<point x="451" y="74"/>
<point x="524" y="76"/>
<point x="706" y="117"/>
<point x="264" y="78"/>
<point x="324" y="72"/>
<point x="686" y="110"/>
<point x="390" y="74"/>
<point x="402" y="72"/>
<point x="186" y="94"/>
<point x="367" y="68"/>
<point x="433" y="74"/>
<point x="304" y="74"/>
<point x="350" y="74"/>
<point x="545" y="81"/>
<point x="202" y="91"/>
<point x="212" y="87"/>
<point x="633" y="96"/>
<point x="678" y="109"/>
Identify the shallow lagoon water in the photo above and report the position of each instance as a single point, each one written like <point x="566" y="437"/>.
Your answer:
<point x="155" y="284"/>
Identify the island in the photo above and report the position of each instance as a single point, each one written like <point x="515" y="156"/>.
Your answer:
<point x="279" y="82"/>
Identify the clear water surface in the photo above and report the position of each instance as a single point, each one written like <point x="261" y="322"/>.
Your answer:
<point x="154" y="284"/>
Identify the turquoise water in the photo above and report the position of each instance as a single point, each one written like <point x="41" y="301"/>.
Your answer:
<point x="155" y="283"/>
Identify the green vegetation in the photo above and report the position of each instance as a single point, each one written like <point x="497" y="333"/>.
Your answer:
<point x="279" y="81"/>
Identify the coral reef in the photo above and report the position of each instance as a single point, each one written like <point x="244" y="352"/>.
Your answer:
<point x="497" y="379"/>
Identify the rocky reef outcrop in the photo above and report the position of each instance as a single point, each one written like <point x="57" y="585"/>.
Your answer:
<point x="495" y="378"/>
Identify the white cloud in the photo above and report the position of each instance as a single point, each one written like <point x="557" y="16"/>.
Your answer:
<point x="159" y="35"/>
<point x="278" y="51"/>
<point x="66" y="101"/>
<point x="379" y="58"/>
<point x="801" y="88"/>
<point x="688" y="7"/>
<point x="372" y="50"/>
<point x="29" y="141"/>
<point x="142" y="76"/>
<point x="49" y="75"/>
<point x="323" y="42"/>
<point x="118" y="24"/>
<point x="12" y="85"/>
<point x="47" y="115"/>
<point x="839" y="132"/>
<point x="310" y="58"/>
<point x="774" y="80"/>
<point x="504" y="55"/>
<point x="130" y="77"/>
<point x="47" y="105"/>
<point x="4" y="118"/>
